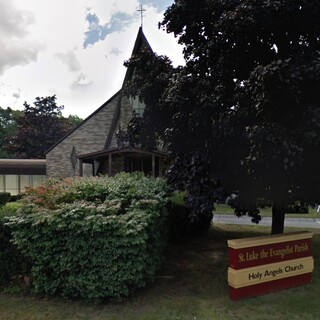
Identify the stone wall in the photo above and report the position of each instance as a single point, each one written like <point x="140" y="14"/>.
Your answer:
<point x="124" y="117"/>
<point x="89" y="137"/>
<point x="116" y="166"/>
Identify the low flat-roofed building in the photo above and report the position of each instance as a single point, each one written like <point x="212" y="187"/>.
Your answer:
<point x="18" y="174"/>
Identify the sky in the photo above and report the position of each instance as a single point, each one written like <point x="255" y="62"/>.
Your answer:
<point x="74" y="49"/>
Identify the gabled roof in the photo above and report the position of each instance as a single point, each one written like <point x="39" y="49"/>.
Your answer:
<point x="141" y="41"/>
<point x="85" y="120"/>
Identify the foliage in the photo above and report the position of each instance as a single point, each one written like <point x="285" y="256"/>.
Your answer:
<point x="8" y="126"/>
<point x="4" y="198"/>
<point x="38" y="128"/>
<point x="124" y="187"/>
<point x="247" y="99"/>
<point x="191" y="285"/>
<point x="152" y="74"/>
<point x="297" y="207"/>
<point x="15" y="197"/>
<point x="131" y="135"/>
<point x="51" y="193"/>
<point x="105" y="243"/>
<point x="74" y="120"/>
<point x="178" y="198"/>
<point x="9" y="209"/>
<point x="13" y="263"/>
<point x="181" y="227"/>
<point x="170" y="96"/>
<point x="193" y="176"/>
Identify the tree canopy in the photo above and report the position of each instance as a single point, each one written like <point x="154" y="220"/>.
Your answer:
<point x="37" y="128"/>
<point x="247" y="100"/>
<point x="8" y="127"/>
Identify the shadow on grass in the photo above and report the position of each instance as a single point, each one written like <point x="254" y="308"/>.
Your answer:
<point x="192" y="284"/>
<point x="196" y="268"/>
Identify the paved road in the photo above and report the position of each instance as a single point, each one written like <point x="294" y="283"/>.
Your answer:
<point x="266" y="221"/>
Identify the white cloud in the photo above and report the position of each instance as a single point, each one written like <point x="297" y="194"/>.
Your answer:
<point x="115" y="51"/>
<point x="81" y="82"/>
<point x="9" y="18"/>
<point x="42" y="50"/>
<point x="17" y="94"/>
<point x="70" y="59"/>
<point x="9" y="92"/>
<point x="17" y="46"/>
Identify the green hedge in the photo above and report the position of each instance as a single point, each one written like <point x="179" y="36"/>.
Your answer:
<point x="12" y="262"/>
<point x="181" y="226"/>
<point x="4" y="198"/>
<point x="105" y="246"/>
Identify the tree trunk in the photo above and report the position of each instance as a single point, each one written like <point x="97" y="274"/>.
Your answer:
<point x="278" y="215"/>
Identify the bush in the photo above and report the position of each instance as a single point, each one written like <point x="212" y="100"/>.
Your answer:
<point x="4" y="198"/>
<point x="106" y="245"/>
<point x="15" y="197"/>
<point x="298" y="207"/>
<point x="180" y="222"/>
<point x="9" y="209"/>
<point x="13" y="263"/>
<point x="123" y="188"/>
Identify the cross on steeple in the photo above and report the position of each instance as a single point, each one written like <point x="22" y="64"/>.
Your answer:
<point x="141" y="10"/>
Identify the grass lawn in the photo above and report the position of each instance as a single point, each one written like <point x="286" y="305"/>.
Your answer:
<point x="266" y="212"/>
<point x="191" y="286"/>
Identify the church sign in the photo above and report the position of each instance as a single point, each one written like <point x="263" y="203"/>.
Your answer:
<point x="260" y="265"/>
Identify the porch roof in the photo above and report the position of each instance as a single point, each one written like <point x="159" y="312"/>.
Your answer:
<point x="98" y="155"/>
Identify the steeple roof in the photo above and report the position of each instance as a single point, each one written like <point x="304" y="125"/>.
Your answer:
<point x="141" y="41"/>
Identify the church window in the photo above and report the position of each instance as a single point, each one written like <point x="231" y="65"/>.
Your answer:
<point x="137" y="105"/>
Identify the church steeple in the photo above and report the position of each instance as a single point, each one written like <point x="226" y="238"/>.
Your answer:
<point x="141" y="42"/>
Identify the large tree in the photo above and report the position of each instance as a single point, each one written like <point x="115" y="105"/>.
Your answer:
<point x="248" y="98"/>
<point x="8" y="126"/>
<point x="172" y="119"/>
<point x="38" y="128"/>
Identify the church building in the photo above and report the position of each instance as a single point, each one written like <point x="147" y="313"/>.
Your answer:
<point x="91" y="148"/>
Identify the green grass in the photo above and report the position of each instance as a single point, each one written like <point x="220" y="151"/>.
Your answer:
<point x="266" y="212"/>
<point x="192" y="285"/>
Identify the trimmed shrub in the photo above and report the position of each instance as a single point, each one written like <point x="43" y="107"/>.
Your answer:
<point x="104" y="246"/>
<point x="10" y="209"/>
<point x="123" y="187"/>
<point x="15" y="197"/>
<point x="180" y="222"/>
<point x="298" y="207"/>
<point x="13" y="263"/>
<point x="4" y="198"/>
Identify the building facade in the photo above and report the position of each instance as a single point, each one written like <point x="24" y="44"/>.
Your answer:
<point x="18" y="174"/>
<point x="91" y="148"/>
